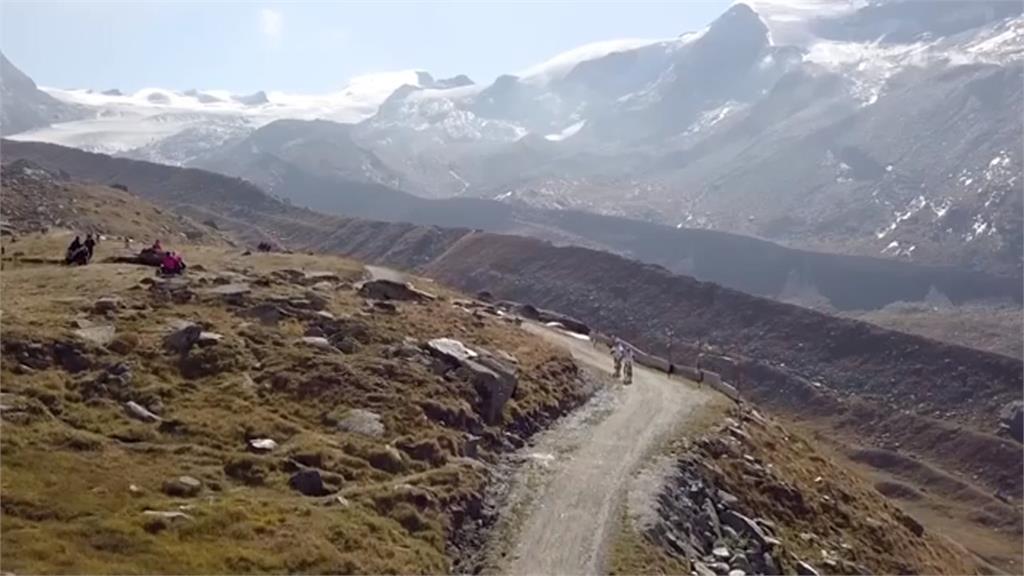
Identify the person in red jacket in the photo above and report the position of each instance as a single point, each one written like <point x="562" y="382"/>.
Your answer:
<point x="172" y="264"/>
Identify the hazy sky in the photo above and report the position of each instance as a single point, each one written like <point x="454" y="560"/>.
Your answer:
<point x="311" y="46"/>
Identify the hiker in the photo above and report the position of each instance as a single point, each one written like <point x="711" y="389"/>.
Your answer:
<point x="617" y="352"/>
<point x="90" y="244"/>
<point x="172" y="264"/>
<point x="157" y="247"/>
<point x="627" y="365"/>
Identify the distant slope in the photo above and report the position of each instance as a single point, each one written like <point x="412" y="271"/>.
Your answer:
<point x="36" y="200"/>
<point x="24" y="106"/>
<point x="319" y="165"/>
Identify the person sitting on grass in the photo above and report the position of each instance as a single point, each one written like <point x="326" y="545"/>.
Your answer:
<point x="172" y="264"/>
<point x="77" y="253"/>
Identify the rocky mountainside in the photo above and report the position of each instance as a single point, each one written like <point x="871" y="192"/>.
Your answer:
<point x="24" y="106"/>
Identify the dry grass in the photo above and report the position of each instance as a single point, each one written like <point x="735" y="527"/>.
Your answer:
<point x="632" y="553"/>
<point x="71" y="454"/>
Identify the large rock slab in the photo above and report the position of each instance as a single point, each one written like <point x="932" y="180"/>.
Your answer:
<point x="363" y="422"/>
<point x="234" y="293"/>
<point x="494" y="380"/>
<point x="493" y="383"/>
<point x="308" y="482"/>
<point x="182" y="336"/>
<point x="98" y="335"/>
<point x="139" y="412"/>
<point x="319" y="342"/>
<point x="451" y="349"/>
<point x="182" y="486"/>
<point x="391" y="290"/>
<point x="107" y="304"/>
<point x="1012" y="417"/>
<point x="744" y="525"/>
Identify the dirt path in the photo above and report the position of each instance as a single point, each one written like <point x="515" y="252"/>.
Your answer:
<point x="570" y="518"/>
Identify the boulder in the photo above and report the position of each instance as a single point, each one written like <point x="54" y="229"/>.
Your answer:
<point x="386" y="307"/>
<point x="494" y="380"/>
<point x="166" y="515"/>
<point x="106" y="304"/>
<point x="308" y="482"/>
<point x="720" y="568"/>
<point x="721" y="553"/>
<point x="493" y="383"/>
<point x="391" y="290"/>
<point x="745" y="526"/>
<point x="317" y="277"/>
<point x="182" y="486"/>
<point x="209" y="338"/>
<point x="910" y="523"/>
<point x="266" y="313"/>
<point x="348" y="345"/>
<point x="1012" y="417"/>
<point x="31" y="354"/>
<point x="701" y="569"/>
<point x="388" y="459"/>
<point x="182" y="337"/>
<point x="139" y="412"/>
<point x="363" y="422"/>
<point x="451" y="349"/>
<point x="570" y="323"/>
<point x="740" y="562"/>
<point x="527" y="311"/>
<point x="97" y="334"/>
<point x="233" y="293"/>
<point x="316" y="301"/>
<point x="318" y="342"/>
<point x="262" y="444"/>
<point x="71" y="357"/>
<point x="805" y="569"/>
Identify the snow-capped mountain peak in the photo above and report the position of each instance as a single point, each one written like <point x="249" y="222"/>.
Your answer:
<point x="558" y="66"/>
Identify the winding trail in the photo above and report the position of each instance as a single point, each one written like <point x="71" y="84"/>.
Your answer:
<point x="587" y="460"/>
<point x="570" y="519"/>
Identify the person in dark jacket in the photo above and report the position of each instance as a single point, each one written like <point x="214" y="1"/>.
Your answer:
<point x="71" y="255"/>
<point x="90" y="244"/>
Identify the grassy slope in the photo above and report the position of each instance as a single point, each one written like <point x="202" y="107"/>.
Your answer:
<point x="70" y="454"/>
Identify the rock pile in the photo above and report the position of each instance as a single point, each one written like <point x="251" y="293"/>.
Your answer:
<point x="697" y="522"/>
